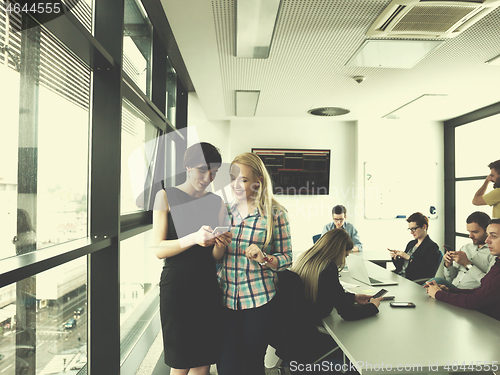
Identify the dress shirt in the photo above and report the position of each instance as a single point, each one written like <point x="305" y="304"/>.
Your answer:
<point x="245" y="284"/>
<point x="485" y="299"/>
<point x="349" y="228"/>
<point x="482" y="260"/>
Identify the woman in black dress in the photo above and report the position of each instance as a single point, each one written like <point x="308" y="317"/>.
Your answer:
<point x="183" y="220"/>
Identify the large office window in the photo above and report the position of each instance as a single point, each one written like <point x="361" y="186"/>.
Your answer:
<point x="44" y="178"/>
<point x="471" y="154"/>
<point x="78" y="282"/>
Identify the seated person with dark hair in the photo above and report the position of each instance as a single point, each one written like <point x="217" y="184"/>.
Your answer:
<point x="486" y="298"/>
<point x="339" y="214"/>
<point x="465" y="268"/>
<point x="420" y="260"/>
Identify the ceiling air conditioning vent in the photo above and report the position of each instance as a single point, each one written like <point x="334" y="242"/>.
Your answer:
<point x="429" y="18"/>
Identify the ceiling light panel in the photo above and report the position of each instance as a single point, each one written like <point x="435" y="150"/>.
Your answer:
<point x="255" y="23"/>
<point x="246" y="103"/>
<point x="403" y="54"/>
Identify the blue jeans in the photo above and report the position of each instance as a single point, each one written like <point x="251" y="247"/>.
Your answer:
<point x="246" y="340"/>
<point x="440" y="280"/>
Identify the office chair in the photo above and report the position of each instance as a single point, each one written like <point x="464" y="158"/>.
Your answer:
<point x="292" y="330"/>
<point x="316" y="237"/>
<point x="439" y="272"/>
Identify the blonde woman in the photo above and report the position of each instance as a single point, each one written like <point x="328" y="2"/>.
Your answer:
<point x="260" y="246"/>
<point x="319" y="269"/>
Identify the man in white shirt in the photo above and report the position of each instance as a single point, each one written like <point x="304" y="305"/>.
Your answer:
<point x="465" y="268"/>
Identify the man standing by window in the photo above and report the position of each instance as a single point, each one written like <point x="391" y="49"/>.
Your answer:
<point x="493" y="197"/>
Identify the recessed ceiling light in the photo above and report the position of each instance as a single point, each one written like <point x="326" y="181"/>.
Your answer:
<point x="392" y="53"/>
<point x="328" y="111"/>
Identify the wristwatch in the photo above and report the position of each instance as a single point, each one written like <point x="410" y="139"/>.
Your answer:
<point x="469" y="266"/>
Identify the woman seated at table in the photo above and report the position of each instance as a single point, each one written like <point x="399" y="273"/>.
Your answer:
<point x="319" y="270"/>
<point x="421" y="256"/>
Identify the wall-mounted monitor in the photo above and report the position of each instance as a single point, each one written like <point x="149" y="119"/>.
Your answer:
<point x="297" y="171"/>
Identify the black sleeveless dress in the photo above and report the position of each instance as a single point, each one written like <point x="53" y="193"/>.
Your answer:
<point x="190" y="307"/>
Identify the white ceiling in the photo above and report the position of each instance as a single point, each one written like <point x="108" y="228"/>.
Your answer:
<point x="306" y="68"/>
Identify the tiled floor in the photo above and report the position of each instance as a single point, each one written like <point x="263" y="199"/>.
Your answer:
<point x="153" y="362"/>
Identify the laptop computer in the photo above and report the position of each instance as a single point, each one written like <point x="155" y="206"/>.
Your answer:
<point x="357" y="270"/>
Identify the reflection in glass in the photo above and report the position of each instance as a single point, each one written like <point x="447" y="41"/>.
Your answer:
<point x="43" y="322"/>
<point x="137" y="46"/>
<point x="137" y="158"/>
<point x="171" y="92"/>
<point x="472" y="155"/>
<point x="44" y="145"/>
<point x="465" y="191"/>
<point x="139" y="276"/>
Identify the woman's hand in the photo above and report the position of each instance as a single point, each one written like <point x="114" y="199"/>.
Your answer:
<point x="204" y="236"/>
<point x="253" y="252"/>
<point x="399" y="253"/>
<point x="223" y="239"/>
<point x="362" y="299"/>
<point x="376" y="301"/>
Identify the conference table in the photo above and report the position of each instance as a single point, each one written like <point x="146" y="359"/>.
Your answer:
<point x="434" y="337"/>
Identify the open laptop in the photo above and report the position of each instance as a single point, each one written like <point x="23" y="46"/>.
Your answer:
<point x="357" y="270"/>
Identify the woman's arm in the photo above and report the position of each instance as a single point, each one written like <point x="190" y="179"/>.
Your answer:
<point x="168" y="248"/>
<point x="331" y="294"/>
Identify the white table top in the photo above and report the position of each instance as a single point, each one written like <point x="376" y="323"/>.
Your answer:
<point x="432" y="333"/>
<point x="380" y="255"/>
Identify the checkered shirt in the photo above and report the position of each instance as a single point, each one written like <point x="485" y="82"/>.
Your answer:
<point x="245" y="283"/>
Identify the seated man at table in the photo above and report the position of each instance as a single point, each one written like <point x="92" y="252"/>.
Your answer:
<point x="465" y="268"/>
<point x="339" y="214"/>
<point x="486" y="298"/>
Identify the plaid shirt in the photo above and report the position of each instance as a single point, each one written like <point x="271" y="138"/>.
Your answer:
<point x="245" y="283"/>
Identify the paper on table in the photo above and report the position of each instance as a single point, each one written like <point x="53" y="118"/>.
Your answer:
<point x="348" y="285"/>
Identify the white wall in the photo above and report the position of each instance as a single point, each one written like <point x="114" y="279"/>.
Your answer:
<point x="399" y="145"/>
<point x="202" y="130"/>
<point x="351" y="144"/>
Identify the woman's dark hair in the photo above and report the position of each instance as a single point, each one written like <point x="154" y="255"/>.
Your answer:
<point x="202" y="153"/>
<point x="419" y="218"/>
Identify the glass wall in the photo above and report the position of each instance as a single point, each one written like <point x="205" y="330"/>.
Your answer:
<point x="43" y="322"/>
<point x="75" y="237"/>
<point x="470" y="167"/>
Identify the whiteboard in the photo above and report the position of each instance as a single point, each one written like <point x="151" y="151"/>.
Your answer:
<point x="392" y="190"/>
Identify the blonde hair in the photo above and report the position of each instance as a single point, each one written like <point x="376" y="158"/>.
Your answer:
<point x="331" y="247"/>
<point x="264" y="197"/>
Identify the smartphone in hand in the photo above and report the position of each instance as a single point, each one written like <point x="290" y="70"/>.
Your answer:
<point x="447" y="248"/>
<point x="380" y="293"/>
<point x="220" y="230"/>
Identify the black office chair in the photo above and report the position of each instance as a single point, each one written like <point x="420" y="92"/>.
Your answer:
<point x="439" y="272"/>
<point x="292" y="333"/>
<point x="316" y="237"/>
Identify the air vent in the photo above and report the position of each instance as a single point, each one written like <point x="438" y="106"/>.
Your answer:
<point x="429" y="18"/>
<point x="328" y="111"/>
